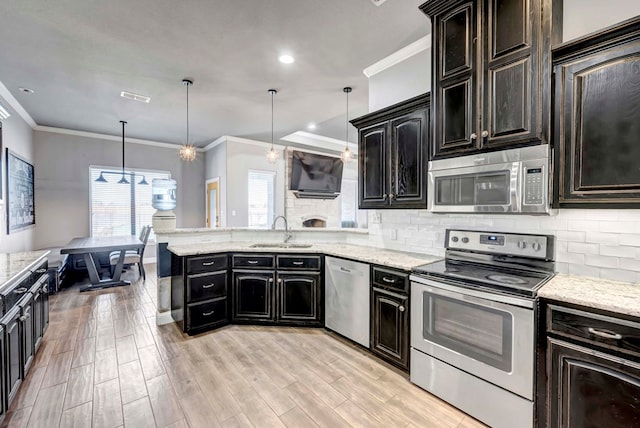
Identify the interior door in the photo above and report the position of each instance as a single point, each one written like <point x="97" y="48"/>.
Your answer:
<point x="213" y="204"/>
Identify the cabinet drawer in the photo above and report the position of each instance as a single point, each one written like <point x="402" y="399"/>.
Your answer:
<point x="206" y="286"/>
<point x="390" y="279"/>
<point x="299" y="262"/>
<point x="253" y="261"/>
<point x="203" y="314"/>
<point x="206" y="264"/>
<point x="613" y="333"/>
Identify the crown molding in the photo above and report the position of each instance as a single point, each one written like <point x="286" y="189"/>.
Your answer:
<point x="232" y="139"/>
<point x="16" y="106"/>
<point x="108" y="137"/>
<point x="406" y="52"/>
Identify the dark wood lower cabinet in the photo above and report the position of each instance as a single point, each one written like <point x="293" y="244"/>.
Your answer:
<point x="390" y="326"/>
<point x="13" y="349"/>
<point x="591" y="388"/>
<point x="253" y="296"/>
<point x="27" y="327"/>
<point x="299" y="297"/>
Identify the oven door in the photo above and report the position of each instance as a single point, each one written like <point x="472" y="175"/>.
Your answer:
<point x="470" y="330"/>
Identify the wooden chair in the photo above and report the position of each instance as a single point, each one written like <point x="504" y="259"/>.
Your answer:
<point x="133" y="257"/>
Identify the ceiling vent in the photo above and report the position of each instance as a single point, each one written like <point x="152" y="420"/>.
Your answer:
<point x="135" y="97"/>
<point x="378" y="2"/>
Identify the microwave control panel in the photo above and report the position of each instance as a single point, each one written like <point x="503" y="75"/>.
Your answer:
<point x="533" y="186"/>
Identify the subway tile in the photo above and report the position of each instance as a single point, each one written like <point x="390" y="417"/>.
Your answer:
<point x="619" y="251"/>
<point x="583" y="225"/>
<point x="601" y="261"/>
<point x="581" y="270"/>
<point x="619" y="275"/>
<point x="630" y="264"/>
<point x="571" y="258"/>
<point x="603" y="238"/>
<point x="619" y="226"/>
<point x="601" y="214"/>
<point x="631" y="239"/>
<point x="562" y="267"/>
<point x="585" y="248"/>
<point x="571" y="236"/>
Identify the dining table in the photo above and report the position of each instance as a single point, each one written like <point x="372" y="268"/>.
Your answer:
<point x="89" y="247"/>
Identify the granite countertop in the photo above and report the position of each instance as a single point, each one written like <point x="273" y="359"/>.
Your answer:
<point x="13" y="265"/>
<point x="613" y="296"/>
<point x="200" y="230"/>
<point x="395" y="259"/>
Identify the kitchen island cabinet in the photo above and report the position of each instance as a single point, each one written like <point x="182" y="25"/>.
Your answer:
<point x="491" y="86"/>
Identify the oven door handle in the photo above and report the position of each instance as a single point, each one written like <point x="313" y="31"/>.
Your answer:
<point x="483" y="298"/>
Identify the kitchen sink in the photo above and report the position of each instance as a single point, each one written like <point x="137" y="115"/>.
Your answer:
<point x="280" y="245"/>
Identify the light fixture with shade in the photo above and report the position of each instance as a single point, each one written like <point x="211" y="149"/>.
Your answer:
<point x="187" y="152"/>
<point x="272" y="155"/>
<point x="346" y="154"/>
<point x="123" y="174"/>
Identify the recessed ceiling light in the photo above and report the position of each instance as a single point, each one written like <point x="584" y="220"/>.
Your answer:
<point x="26" y="90"/>
<point x="286" y="59"/>
<point x="311" y="126"/>
<point x="135" y="97"/>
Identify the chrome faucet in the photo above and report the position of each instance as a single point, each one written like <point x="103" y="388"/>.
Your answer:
<point x="287" y="232"/>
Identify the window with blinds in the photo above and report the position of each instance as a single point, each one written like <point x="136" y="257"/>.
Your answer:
<point x="261" y="199"/>
<point x="118" y="208"/>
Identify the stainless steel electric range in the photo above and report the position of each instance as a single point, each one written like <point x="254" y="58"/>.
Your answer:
<point x="473" y="323"/>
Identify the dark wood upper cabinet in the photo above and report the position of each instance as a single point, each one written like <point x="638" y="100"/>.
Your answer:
<point x="491" y="79"/>
<point x="392" y="155"/>
<point x="597" y="119"/>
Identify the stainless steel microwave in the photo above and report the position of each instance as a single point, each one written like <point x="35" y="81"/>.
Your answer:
<point x="507" y="181"/>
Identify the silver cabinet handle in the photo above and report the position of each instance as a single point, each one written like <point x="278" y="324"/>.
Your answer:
<point x="392" y="196"/>
<point x="344" y="270"/>
<point x="604" y="334"/>
<point x="473" y="136"/>
<point x="401" y="308"/>
<point x="485" y="134"/>
<point x="252" y="262"/>
<point x="298" y="263"/>
<point x="206" y="314"/>
<point x="270" y="279"/>
<point x="20" y="290"/>
<point x="208" y="286"/>
<point x="384" y="197"/>
<point x="208" y="263"/>
<point x="41" y="271"/>
<point x="23" y="318"/>
<point x="279" y="280"/>
<point x="389" y="280"/>
<point x="45" y="289"/>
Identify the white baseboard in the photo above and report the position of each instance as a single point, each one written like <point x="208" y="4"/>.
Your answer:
<point x="163" y="318"/>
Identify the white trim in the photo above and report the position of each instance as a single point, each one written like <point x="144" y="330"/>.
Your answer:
<point x="398" y="56"/>
<point x="13" y="102"/>
<point x="206" y="196"/>
<point x="163" y="318"/>
<point x="320" y="142"/>
<point x="117" y="138"/>
<point x="231" y="139"/>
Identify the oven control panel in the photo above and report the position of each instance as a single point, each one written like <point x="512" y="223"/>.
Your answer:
<point x="537" y="246"/>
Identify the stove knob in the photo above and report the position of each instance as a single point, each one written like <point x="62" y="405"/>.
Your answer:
<point x="536" y="246"/>
<point x="454" y="239"/>
<point x="465" y="240"/>
<point x="522" y="245"/>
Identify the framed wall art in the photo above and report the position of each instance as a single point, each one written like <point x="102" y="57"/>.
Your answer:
<point x="19" y="198"/>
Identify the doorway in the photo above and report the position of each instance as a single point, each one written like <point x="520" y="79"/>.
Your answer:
<point x="213" y="203"/>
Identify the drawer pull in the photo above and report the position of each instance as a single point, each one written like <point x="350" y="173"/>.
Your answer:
<point x="41" y="271"/>
<point x="298" y="263"/>
<point x="605" y="334"/>
<point x="401" y="308"/>
<point x="344" y="270"/>
<point x="206" y="314"/>
<point x="20" y="290"/>
<point x="209" y="285"/>
<point x="389" y="280"/>
<point x="208" y="263"/>
<point x="252" y="262"/>
<point x="45" y="288"/>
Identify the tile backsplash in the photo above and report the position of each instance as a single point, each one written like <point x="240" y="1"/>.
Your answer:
<point x="596" y="243"/>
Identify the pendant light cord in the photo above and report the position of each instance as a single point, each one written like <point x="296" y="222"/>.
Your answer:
<point x="123" y="123"/>
<point x="187" y="142"/>
<point x="346" y="128"/>
<point x="272" y="94"/>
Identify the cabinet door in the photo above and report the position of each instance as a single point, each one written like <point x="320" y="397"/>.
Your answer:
<point x="253" y="296"/>
<point x="390" y="326"/>
<point x="373" y="177"/>
<point x="38" y="303"/>
<point x="13" y="354"/>
<point x="409" y="137"/>
<point x="454" y="81"/>
<point x="511" y="83"/>
<point x="299" y="297"/>
<point x="597" y="126"/>
<point x="588" y="388"/>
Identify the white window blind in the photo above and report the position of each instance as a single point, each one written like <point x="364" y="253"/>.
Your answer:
<point x="117" y="208"/>
<point x="261" y="198"/>
<point x="349" y="208"/>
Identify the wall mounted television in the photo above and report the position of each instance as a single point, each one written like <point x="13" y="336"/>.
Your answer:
<point x="314" y="175"/>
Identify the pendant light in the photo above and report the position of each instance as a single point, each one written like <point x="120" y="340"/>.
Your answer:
<point x="346" y="155"/>
<point x="272" y="155"/>
<point x="123" y="178"/>
<point x="187" y="151"/>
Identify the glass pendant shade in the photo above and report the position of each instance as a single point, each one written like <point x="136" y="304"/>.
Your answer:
<point x="346" y="154"/>
<point x="187" y="152"/>
<point x="272" y="154"/>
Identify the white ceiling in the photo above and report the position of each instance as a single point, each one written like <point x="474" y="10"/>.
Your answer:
<point x="77" y="55"/>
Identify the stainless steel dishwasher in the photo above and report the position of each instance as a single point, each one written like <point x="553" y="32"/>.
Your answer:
<point x="347" y="299"/>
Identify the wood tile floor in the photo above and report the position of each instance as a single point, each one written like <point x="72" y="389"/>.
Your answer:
<point x="105" y="363"/>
